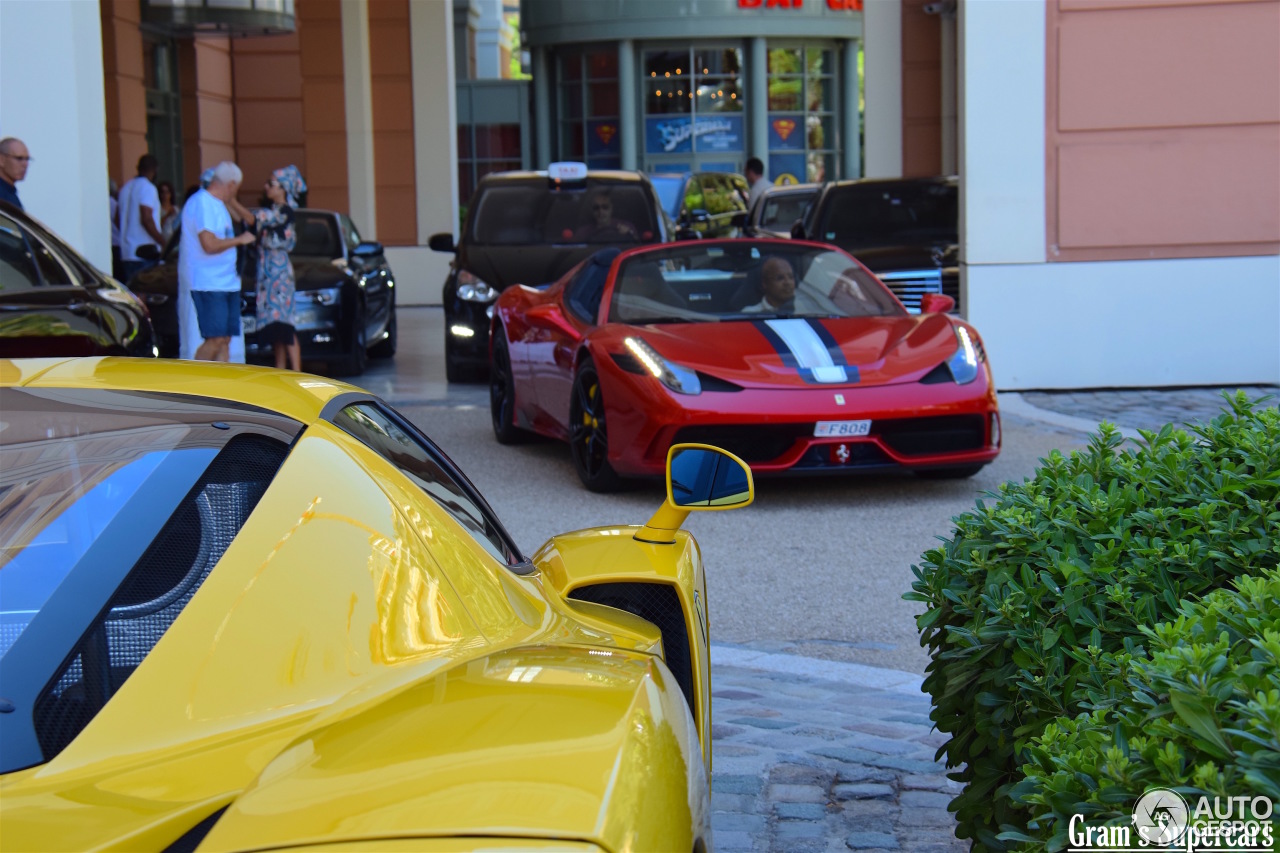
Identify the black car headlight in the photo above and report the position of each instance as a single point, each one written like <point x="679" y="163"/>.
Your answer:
<point x="324" y="296"/>
<point x="964" y="363"/>
<point x="680" y="379"/>
<point x="472" y="289"/>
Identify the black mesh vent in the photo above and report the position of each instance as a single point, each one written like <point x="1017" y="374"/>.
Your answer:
<point x="157" y="589"/>
<point x="714" y="383"/>
<point x="945" y="434"/>
<point x="939" y="374"/>
<point x="659" y="604"/>
<point x="749" y="442"/>
<point x="627" y="362"/>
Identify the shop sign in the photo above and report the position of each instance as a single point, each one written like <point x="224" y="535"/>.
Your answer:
<point x="834" y="5"/>
<point x="787" y="168"/>
<point x="602" y="137"/>
<point x="786" y="132"/>
<point x="680" y="134"/>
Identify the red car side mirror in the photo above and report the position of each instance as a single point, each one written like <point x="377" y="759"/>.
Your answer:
<point x="936" y="303"/>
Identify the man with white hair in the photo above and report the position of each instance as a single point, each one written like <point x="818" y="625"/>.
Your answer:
<point x="207" y="261"/>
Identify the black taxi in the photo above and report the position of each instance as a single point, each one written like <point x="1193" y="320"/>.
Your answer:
<point x="530" y="228"/>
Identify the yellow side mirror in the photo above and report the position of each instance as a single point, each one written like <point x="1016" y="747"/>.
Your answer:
<point x="699" y="477"/>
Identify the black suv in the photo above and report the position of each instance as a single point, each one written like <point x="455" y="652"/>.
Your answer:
<point x="905" y="231"/>
<point x="530" y="228"/>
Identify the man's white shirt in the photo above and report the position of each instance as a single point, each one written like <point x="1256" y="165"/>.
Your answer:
<point x="133" y="234"/>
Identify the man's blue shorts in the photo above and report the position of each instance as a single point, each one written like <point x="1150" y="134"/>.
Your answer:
<point x="218" y="312"/>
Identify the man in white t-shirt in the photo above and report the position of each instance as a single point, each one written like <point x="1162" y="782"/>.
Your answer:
<point x="140" y="218"/>
<point x="207" y="261"/>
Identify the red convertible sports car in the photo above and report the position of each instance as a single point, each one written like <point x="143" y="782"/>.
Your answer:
<point x="789" y="354"/>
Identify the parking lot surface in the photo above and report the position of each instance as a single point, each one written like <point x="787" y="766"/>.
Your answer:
<point x="821" y="737"/>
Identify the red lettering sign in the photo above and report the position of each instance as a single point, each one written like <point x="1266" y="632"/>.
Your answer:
<point x="845" y="5"/>
<point x="749" y="4"/>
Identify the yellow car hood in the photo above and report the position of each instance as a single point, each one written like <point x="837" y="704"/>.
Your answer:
<point x="533" y="742"/>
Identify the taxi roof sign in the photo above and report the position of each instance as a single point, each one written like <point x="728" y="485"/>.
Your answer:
<point x="567" y="171"/>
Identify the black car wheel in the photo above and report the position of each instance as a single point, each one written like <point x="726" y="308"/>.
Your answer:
<point x="354" y="362"/>
<point x="588" y="433"/>
<point x="502" y="394"/>
<point x="386" y="348"/>
<point x="954" y="472"/>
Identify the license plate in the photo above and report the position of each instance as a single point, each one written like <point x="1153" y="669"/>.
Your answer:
<point x="841" y="428"/>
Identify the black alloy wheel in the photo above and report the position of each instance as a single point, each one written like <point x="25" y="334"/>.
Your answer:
<point x="588" y="433"/>
<point x="502" y="393"/>
<point x="386" y="348"/>
<point x="354" y="362"/>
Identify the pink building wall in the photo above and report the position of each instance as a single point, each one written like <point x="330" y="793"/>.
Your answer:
<point x="1162" y="128"/>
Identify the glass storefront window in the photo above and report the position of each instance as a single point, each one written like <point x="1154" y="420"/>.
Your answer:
<point x="588" y="108"/>
<point x="693" y="103"/>
<point x="485" y="148"/>
<point x="803" y="122"/>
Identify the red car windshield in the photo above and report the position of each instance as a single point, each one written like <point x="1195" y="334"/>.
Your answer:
<point x="694" y="282"/>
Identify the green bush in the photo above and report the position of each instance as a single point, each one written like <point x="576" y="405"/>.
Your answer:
<point x="1034" y="588"/>
<point x="1202" y="717"/>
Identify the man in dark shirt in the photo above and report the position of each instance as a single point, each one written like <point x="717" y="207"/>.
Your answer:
<point x="14" y="158"/>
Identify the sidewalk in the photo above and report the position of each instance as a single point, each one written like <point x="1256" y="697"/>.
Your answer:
<point x="816" y="755"/>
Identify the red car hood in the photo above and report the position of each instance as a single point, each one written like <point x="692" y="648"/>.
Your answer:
<point x="802" y="353"/>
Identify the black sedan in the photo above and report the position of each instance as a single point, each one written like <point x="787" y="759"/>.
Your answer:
<point x="55" y="303"/>
<point x="906" y="231"/>
<point x="344" y="305"/>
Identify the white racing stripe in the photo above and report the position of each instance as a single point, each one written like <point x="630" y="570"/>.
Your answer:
<point x="809" y="350"/>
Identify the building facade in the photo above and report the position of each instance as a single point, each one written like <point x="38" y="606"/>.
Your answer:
<point x="1119" y="159"/>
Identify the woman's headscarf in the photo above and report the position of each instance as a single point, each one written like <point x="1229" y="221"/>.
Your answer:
<point x="291" y="180"/>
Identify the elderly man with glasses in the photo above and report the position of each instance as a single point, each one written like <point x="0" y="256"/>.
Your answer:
<point x="14" y="158"/>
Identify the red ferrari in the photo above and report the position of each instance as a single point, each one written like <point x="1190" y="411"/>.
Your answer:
<point x="789" y="354"/>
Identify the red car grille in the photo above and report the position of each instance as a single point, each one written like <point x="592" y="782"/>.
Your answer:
<point x="749" y="442"/>
<point x="944" y="434"/>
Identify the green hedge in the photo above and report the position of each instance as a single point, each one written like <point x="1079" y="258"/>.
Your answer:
<point x="1038" y="585"/>
<point x="1202" y="716"/>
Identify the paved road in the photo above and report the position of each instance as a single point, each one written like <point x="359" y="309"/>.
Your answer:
<point x="821" y="738"/>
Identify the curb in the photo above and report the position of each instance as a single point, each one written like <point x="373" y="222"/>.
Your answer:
<point x="1011" y="402"/>
<point x="856" y="674"/>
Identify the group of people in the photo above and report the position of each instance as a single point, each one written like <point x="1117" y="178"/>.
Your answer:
<point x="207" y="260"/>
<point x="144" y="216"/>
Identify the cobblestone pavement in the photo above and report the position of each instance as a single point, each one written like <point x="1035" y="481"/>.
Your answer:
<point x="1135" y="409"/>
<point x="816" y="755"/>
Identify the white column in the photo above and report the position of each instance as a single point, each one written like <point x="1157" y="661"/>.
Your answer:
<point x="541" y="108"/>
<point x="435" y="118"/>
<point x="630" y="128"/>
<point x="51" y="54"/>
<point x="882" y="62"/>
<point x="358" y="89"/>
<point x="758" y="86"/>
<point x="850" y="119"/>
<point x="1001" y="129"/>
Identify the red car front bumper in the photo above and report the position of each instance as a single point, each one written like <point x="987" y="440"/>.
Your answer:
<point x="913" y="425"/>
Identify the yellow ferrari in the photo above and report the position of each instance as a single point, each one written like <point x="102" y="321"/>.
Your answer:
<point x="244" y="609"/>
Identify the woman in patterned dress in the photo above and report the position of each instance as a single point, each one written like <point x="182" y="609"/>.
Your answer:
<point x="276" y="238"/>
